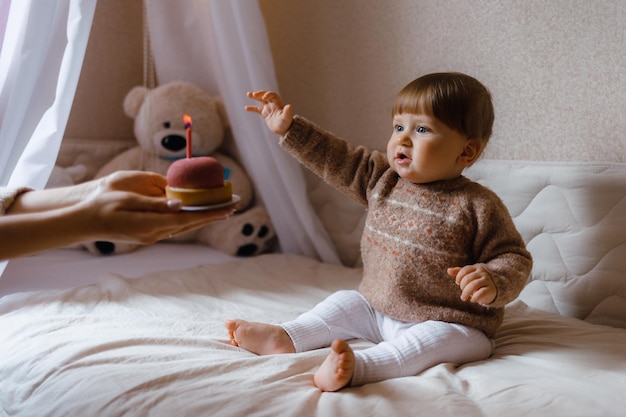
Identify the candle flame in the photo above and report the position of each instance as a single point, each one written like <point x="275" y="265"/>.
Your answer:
<point x="187" y="120"/>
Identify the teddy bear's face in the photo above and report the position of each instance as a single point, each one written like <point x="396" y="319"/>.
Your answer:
<point x="159" y="125"/>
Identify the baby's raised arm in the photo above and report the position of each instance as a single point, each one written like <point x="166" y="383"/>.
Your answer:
<point x="278" y="117"/>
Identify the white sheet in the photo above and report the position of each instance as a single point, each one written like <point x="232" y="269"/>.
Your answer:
<point x="156" y="345"/>
<point x="64" y="268"/>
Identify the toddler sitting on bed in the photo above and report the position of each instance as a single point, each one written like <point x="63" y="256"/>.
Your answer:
<point x="441" y="255"/>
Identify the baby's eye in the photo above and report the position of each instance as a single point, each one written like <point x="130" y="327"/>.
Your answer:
<point x="398" y="128"/>
<point x="421" y="129"/>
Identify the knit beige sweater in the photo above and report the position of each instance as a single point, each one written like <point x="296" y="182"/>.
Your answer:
<point x="414" y="232"/>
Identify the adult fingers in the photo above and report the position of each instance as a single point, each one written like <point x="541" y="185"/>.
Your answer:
<point x="141" y="182"/>
<point x="182" y="222"/>
<point x="149" y="227"/>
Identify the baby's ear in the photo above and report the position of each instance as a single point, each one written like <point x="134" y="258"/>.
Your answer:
<point x="471" y="152"/>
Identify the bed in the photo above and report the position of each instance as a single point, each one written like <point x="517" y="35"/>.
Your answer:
<point x="142" y="334"/>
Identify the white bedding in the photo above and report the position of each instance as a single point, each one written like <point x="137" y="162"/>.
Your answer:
<point x="156" y="346"/>
<point x="142" y="334"/>
<point x="63" y="268"/>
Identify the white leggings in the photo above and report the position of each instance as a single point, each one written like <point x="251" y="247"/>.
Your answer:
<point x="403" y="349"/>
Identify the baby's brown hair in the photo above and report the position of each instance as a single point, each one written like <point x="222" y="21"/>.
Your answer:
<point x="461" y="102"/>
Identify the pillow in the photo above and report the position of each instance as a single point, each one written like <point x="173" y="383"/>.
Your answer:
<point x="573" y="219"/>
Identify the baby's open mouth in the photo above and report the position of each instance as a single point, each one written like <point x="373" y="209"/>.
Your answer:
<point x="401" y="156"/>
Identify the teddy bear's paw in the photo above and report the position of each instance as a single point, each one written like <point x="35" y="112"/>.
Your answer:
<point x="102" y="247"/>
<point x="249" y="233"/>
<point x="257" y="233"/>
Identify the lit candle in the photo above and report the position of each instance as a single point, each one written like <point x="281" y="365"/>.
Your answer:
<point x="187" y="120"/>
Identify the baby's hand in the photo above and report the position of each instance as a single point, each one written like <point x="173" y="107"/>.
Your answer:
<point x="277" y="116"/>
<point x="476" y="284"/>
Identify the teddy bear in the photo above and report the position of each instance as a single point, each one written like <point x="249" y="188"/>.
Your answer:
<point x="160" y="132"/>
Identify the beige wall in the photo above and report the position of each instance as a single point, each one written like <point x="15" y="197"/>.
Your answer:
<point x="556" y="68"/>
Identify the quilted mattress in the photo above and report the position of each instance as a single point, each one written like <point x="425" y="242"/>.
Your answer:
<point x="573" y="218"/>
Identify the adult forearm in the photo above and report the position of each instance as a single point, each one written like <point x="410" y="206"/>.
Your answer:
<point x="50" y="199"/>
<point x="125" y="206"/>
<point x="26" y="234"/>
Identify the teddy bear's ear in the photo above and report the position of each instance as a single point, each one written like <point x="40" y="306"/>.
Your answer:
<point x="134" y="99"/>
<point x="221" y="110"/>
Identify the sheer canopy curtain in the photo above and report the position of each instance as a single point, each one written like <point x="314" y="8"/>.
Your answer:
<point x="42" y="54"/>
<point x="43" y="46"/>
<point x="222" y="47"/>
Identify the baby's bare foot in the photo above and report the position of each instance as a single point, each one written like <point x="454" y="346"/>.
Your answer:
<point x="259" y="338"/>
<point x="337" y="369"/>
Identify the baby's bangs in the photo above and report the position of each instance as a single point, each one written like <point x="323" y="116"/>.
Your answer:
<point x="412" y="100"/>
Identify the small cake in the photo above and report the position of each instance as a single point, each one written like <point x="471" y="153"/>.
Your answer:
<point x="198" y="181"/>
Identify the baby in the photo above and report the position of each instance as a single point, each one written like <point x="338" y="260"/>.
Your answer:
<point x="441" y="255"/>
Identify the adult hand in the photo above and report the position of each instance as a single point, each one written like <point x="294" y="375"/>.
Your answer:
<point x="130" y="206"/>
<point x="141" y="182"/>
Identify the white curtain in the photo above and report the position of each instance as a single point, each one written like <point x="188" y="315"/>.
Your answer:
<point x="4" y="15"/>
<point x="43" y="46"/>
<point x="42" y="54"/>
<point x="222" y="47"/>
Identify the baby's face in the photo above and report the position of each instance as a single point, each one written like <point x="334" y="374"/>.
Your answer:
<point x="422" y="149"/>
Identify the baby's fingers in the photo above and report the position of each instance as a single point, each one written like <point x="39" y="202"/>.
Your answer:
<point x="469" y="288"/>
<point x="478" y="290"/>
<point x="271" y="97"/>
<point x="254" y="109"/>
<point x="265" y="97"/>
<point x="454" y="272"/>
<point x="256" y="95"/>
